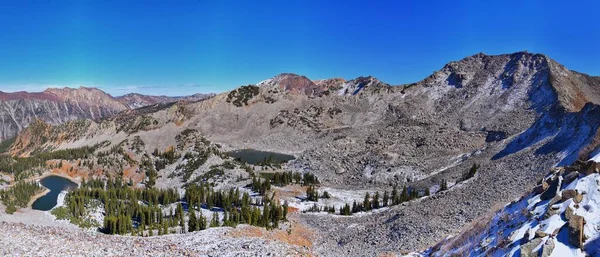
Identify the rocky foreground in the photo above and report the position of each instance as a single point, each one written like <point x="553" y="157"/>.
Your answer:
<point x="30" y="232"/>
<point x="20" y="240"/>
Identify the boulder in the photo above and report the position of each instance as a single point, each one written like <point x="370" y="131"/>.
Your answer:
<point x="568" y="194"/>
<point x="578" y="198"/>
<point x="541" y="187"/>
<point x="575" y="225"/>
<point x="568" y="213"/>
<point x="547" y="248"/>
<point x="555" y="233"/>
<point x="551" y="191"/>
<point x="527" y="249"/>
<point x="556" y="199"/>
<point x="540" y="234"/>
<point x="570" y="177"/>
<point x="551" y="210"/>
<point x="591" y="167"/>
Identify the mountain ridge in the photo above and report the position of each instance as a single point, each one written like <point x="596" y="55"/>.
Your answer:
<point x="514" y="116"/>
<point x="59" y="105"/>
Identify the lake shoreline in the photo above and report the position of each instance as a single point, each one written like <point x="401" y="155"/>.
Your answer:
<point x="37" y="196"/>
<point x="76" y="181"/>
<point x="46" y="190"/>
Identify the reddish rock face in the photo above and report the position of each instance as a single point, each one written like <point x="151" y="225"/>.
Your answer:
<point x="27" y="96"/>
<point x="59" y="105"/>
<point x="334" y="83"/>
<point x="296" y="84"/>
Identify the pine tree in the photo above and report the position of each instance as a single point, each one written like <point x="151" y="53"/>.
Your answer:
<point x="376" y="201"/>
<point x="367" y="202"/>
<point x="215" y="220"/>
<point x="202" y="222"/>
<point x="192" y="223"/>
<point x="285" y="209"/>
<point x="386" y="199"/>
<point x="346" y="210"/>
<point x="444" y="185"/>
<point x="404" y="196"/>
<point x="395" y="196"/>
<point x="165" y="227"/>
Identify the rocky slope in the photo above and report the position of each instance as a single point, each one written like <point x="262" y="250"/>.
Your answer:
<point x="59" y="105"/>
<point x="516" y="115"/>
<point x="559" y="217"/>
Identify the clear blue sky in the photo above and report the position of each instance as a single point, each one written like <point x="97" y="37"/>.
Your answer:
<point x="184" y="47"/>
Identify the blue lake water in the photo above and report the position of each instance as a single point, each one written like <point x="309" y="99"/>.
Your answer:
<point x="56" y="184"/>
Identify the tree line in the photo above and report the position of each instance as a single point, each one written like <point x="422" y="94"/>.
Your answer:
<point x="237" y="208"/>
<point x="370" y="201"/>
<point x="19" y="195"/>
<point x="378" y="200"/>
<point x="126" y="210"/>
<point x="281" y="179"/>
<point x="20" y="167"/>
<point x="135" y="211"/>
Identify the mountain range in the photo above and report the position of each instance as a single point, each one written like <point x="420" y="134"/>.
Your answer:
<point x="513" y="116"/>
<point x="59" y="105"/>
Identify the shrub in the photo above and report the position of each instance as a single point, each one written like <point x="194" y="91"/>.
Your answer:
<point x="10" y="209"/>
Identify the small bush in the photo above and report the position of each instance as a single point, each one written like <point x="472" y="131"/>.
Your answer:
<point x="10" y="209"/>
<point x="61" y="213"/>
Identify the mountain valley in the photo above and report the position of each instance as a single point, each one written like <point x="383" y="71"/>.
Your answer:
<point x="378" y="169"/>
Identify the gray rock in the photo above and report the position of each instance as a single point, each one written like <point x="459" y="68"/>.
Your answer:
<point x="547" y="248"/>
<point x="552" y="190"/>
<point x="527" y="249"/>
<point x="575" y="226"/>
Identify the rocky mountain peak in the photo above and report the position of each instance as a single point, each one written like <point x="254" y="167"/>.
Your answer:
<point x="516" y="77"/>
<point x="294" y="84"/>
<point x="477" y="69"/>
<point x="87" y="95"/>
<point x="331" y="83"/>
<point x="362" y="85"/>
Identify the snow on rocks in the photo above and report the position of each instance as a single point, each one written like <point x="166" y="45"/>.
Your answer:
<point x="563" y="220"/>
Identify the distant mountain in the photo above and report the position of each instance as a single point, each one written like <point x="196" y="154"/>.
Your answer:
<point x="135" y="100"/>
<point x="59" y="105"/>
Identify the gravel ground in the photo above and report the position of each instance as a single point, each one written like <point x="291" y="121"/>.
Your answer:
<point x="19" y="239"/>
<point x="30" y="232"/>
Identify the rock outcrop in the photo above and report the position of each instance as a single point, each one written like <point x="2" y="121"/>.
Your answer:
<point x="568" y="221"/>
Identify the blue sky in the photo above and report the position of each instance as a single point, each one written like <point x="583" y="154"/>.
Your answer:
<point x="185" y="47"/>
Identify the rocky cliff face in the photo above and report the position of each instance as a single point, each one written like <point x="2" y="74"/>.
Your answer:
<point x="55" y="106"/>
